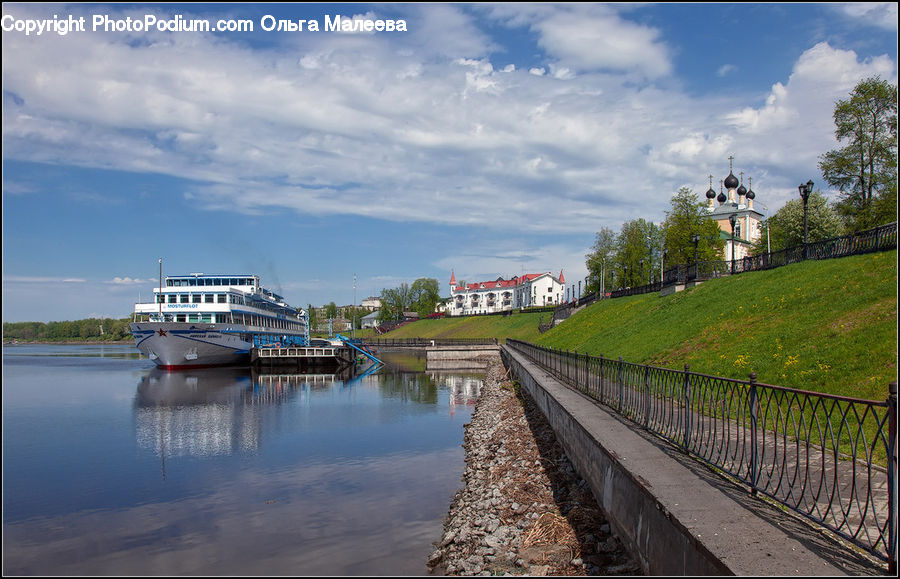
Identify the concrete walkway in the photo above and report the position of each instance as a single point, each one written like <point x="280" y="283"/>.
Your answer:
<point x="676" y="515"/>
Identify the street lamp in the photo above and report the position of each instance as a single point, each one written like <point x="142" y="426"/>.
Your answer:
<point x="732" y="219"/>
<point x="625" y="277"/>
<point x="768" y="241"/>
<point x="642" y="272"/>
<point x="695" y="239"/>
<point x="662" y="265"/>
<point x="805" y="191"/>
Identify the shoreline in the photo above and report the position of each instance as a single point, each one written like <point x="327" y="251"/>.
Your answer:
<point x="523" y="509"/>
<point x="69" y="343"/>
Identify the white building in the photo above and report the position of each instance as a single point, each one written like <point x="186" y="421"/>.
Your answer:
<point x="489" y="297"/>
<point x="371" y="303"/>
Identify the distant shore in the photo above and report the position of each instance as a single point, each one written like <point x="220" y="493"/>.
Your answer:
<point x="67" y="342"/>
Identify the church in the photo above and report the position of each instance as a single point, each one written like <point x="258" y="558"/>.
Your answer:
<point x="737" y="204"/>
<point x="499" y="295"/>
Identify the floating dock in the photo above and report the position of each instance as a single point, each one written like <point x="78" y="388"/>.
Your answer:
<point x="303" y="358"/>
<point x="340" y="353"/>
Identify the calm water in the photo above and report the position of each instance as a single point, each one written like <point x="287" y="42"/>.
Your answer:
<point x="113" y="467"/>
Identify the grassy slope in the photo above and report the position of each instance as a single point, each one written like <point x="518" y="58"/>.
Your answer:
<point x="828" y="326"/>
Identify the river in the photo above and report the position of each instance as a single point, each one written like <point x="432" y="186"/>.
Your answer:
<point x="112" y="467"/>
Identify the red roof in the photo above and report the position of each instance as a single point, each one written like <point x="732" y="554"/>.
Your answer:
<point x="500" y="282"/>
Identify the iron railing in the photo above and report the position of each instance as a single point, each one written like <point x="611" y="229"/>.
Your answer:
<point x="832" y="459"/>
<point x="426" y="342"/>
<point x="881" y="238"/>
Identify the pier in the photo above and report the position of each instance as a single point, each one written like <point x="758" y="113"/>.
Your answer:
<point x="303" y="358"/>
<point x="340" y="353"/>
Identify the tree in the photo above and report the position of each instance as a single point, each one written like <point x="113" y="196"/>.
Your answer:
<point x="686" y="219"/>
<point x="786" y="225"/>
<point x="394" y="302"/>
<point x="313" y="317"/>
<point x="865" y="170"/>
<point x="425" y="294"/>
<point x="635" y="243"/>
<point x="600" y="259"/>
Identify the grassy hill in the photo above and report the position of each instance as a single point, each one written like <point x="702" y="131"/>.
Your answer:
<point x="827" y="326"/>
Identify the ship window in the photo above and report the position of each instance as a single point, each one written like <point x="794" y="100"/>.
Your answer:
<point x="209" y="298"/>
<point x="173" y="298"/>
<point x="180" y="318"/>
<point x="160" y="299"/>
<point x="195" y="298"/>
<point x="221" y="298"/>
<point x="185" y="298"/>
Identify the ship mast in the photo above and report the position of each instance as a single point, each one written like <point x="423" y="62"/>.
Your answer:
<point x="159" y="298"/>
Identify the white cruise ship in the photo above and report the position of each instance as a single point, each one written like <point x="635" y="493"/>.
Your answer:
<point x="200" y="320"/>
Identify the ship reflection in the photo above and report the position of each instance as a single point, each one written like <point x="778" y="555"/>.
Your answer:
<point x="214" y="411"/>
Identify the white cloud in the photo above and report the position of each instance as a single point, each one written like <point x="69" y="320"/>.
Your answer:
<point x="880" y="14"/>
<point x="725" y="69"/>
<point x="367" y="126"/>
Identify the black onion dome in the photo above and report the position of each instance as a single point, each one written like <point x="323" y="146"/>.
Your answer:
<point x="742" y="190"/>
<point x="710" y="194"/>
<point x="731" y="181"/>
<point x="751" y="194"/>
<point x="721" y="198"/>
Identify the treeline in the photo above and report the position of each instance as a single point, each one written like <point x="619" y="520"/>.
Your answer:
<point x="87" y="330"/>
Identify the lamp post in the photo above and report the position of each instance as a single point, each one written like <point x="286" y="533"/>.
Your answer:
<point x="732" y="219"/>
<point x="625" y="277"/>
<point x="642" y="272"/>
<point x="662" y="266"/>
<point x="768" y="241"/>
<point x="805" y="191"/>
<point x="695" y="239"/>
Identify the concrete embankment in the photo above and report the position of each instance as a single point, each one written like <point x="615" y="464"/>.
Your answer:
<point x="523" y="508"/>
<point x="673" y="514"/>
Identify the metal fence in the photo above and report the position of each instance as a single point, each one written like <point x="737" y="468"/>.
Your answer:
<point x="881" y="238"/>
<point x="832" y="459"/>
<point x="426" y="342"/>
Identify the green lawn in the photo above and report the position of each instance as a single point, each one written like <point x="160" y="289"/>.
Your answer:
<point x="827" y="326"/>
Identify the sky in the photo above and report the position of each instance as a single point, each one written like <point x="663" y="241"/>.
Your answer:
<point x="487" y="140"/>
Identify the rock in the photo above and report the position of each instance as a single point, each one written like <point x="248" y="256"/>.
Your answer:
<point x="497" y="523"/>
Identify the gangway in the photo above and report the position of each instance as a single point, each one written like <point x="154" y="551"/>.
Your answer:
<point x="364" y="350"/>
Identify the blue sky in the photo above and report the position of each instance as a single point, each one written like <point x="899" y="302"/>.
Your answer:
<point x="487" y="139"/>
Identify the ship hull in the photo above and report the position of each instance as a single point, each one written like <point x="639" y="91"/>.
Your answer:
<point x="174" y="345"/>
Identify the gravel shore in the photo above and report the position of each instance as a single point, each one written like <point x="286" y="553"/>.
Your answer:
<point x="523" y="509"/>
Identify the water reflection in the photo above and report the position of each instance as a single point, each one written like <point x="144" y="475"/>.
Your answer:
<point x="261" y="474"/>
<point x="196" y="413"/>
<point x="217" y="411"/>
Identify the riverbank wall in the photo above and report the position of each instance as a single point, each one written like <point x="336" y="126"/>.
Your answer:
<point x="674" y="515"/>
